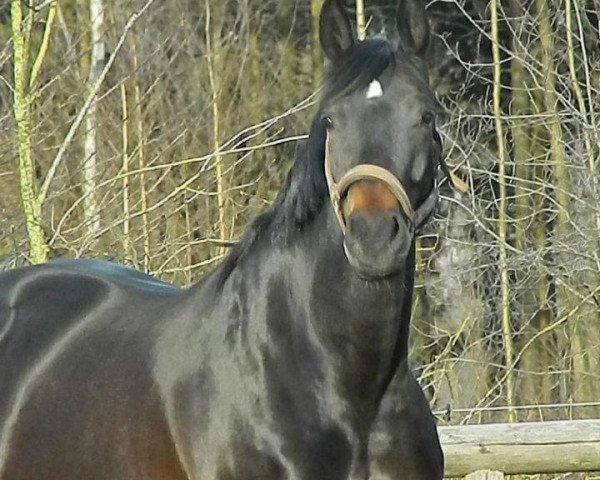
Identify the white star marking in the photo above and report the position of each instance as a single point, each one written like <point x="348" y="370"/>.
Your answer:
<point x="374" y="90"/>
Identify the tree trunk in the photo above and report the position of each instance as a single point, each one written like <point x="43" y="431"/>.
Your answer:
<point x="590" y="340"/>
<point x="212" y="48"/>
<point x="541" y="356"/>
<point x="561" y="181"/>
<point x="90" y="163"/>
<point x="127" y="254"/>
<point x="361" y="23"/>
<point x="141" y="159"/>
<point x="522" y="144"/>
<point x="317" y="56"/>
<point x="507" y="328"/>
<point x="32" y="206"/>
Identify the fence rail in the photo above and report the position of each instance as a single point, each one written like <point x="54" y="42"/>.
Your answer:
<point x="521" y="448"/>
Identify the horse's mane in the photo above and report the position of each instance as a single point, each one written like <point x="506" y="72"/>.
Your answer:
<point x="305" y="188"/>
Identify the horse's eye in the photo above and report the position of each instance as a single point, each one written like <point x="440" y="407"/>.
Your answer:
<point x="428" y="118"/>
<point x="327" y="122"/>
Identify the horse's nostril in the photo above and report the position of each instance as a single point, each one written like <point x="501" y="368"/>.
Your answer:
<point x="395" y="226"/>
<point x="376" y="229"/>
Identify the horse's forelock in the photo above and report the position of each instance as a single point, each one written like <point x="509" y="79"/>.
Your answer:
<point x="358" y="67"/>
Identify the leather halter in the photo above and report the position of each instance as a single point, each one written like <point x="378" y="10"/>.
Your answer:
<point x="367" y="171"/>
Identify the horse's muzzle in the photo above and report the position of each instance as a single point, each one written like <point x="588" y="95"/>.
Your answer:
<point x="377" y="243"/>
<point x="377" y="235"/>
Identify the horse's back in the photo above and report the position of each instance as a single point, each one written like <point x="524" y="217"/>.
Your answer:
<point x="76" y="355"/>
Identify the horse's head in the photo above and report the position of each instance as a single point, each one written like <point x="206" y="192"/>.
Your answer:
<point x="378" y="111"/>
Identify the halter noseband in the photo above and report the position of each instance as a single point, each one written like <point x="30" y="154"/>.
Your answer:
<point x="366" y="171"/>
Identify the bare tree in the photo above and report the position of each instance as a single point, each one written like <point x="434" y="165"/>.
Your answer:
<point x="90" y="160"/>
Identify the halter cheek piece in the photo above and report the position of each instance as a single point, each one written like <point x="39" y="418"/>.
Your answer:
<point x="366" y="171"/>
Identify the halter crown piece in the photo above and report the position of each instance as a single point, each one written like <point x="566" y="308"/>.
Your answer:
<point x="364" y="171"/>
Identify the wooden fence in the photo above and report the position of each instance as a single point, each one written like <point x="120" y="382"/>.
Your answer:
<point x="494" y="450"/>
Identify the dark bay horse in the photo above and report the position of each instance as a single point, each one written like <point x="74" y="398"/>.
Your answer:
<point x="274" y="365"/>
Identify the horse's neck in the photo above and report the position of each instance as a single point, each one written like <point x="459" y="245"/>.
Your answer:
<point x="346" y="332"/>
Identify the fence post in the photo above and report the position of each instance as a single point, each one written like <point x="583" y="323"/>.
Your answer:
<point x="485" y="475"/>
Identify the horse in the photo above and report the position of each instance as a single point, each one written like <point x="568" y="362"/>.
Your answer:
<point x="404" y="444"/>
<point x="274" y="365"/>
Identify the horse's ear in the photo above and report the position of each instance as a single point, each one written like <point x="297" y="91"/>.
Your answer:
<point x="413" y="26"/>
<point x="335" y="30"/>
